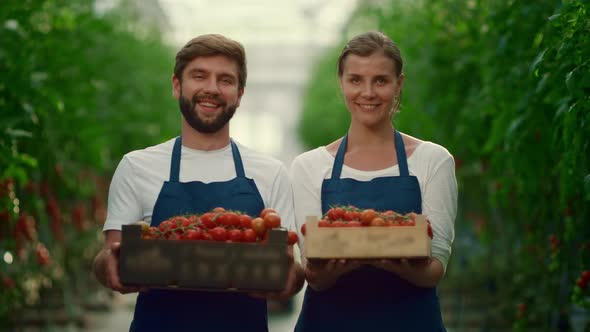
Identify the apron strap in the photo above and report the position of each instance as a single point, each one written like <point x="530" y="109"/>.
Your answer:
<point x="400" y="150"/>
<point x="339" y="159"/>
<point x="237" y="160"/>
<point x="175" y="160"/>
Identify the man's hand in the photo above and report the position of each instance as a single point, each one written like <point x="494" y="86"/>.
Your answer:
<point x="106" y="264"/>
<point x="294" y="283"/>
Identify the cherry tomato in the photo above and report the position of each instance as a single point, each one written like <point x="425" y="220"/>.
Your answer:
<point x="292" y="238"/>
<point x="378" y="222"/>
<point x="335" y="213"/>
<point x="272" y="220"/>
<point x="367" y="216"/>
<point x="235" y="235"/>
<point x="207" y="220"/>
<point x="266" y="211"/>
<point x="259" y="226"/>
<point x="245" y="221"/>
<point x="249" y="235"/>
<point x="218" y="233"/>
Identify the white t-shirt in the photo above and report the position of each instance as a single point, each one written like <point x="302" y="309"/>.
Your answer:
<point x="138" y="179"/>
<point x="432" y="164"/>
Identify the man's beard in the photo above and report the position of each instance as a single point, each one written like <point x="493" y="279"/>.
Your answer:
<point x="187" y="108"/>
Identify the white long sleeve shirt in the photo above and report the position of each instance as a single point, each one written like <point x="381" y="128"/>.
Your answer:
<point x="432" y="164"/>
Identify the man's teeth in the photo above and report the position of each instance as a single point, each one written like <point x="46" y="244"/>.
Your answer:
<point x="206" y="104"/>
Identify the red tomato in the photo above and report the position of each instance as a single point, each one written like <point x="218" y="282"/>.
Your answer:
<point x="235" y="235"/>
<point x="367" y="216"/>
<point x="348" y="215"/>
<point x="233" y="219"/>
<point x="354" y="223"/>
<point x="338" y="224"/>
<point x="42" y="253"/>
<point x="335" y="213"/>
<point x="303" y="229"/>
<point x="245" y="221"/>
<point x="249" y="235"/>
<point x="207" y="220"/>
<point x="193" y="234"/>
<point x="586" y="275"/>
<point x="207" y="236"/>
<point x="292" y="238"/>
<point x="323" y="223"/>
<point x="266" y="211"/>
<point x="229" y="219"/>
<point x="218" y="233"/>
<point x="378" y="222"/>
<point x="258" y="225"/>
<point x="430" y="231"/>
<point x="272" y="220"/>
<point x="218" y="210"/>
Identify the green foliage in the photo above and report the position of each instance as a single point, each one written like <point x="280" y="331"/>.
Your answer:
<point x="78" y="90"/>
<point x="503" y="85"/>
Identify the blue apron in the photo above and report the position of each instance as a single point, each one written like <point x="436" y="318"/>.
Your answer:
<point x="368" y="298"/>
<point x="173" y="310"/>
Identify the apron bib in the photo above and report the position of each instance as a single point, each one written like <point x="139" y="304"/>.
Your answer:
<point x="368" y="298"/>
<point x="175" y="310"/>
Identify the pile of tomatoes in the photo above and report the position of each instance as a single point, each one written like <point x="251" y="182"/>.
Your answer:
<point x="218" y="225"/>
<point x="351" y="216"/>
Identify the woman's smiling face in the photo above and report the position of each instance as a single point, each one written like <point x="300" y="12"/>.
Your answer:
<point x="369" y="85"/>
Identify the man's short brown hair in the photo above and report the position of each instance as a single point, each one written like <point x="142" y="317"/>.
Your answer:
<point x="211" y="45"/>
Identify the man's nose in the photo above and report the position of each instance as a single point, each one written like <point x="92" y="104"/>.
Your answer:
<point x="211" y="86"/>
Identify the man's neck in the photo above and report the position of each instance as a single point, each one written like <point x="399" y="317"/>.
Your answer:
<point x="204" y="142"/>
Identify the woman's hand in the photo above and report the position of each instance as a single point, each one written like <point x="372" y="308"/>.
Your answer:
<point x="322" y="274"/>
<point x="422" y="272"/>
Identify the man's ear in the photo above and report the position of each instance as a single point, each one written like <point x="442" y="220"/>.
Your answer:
<point x="176" y="85"/>
<point x="240" y="94"/>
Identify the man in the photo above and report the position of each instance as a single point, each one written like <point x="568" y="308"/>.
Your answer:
<point x="196" y="172"/>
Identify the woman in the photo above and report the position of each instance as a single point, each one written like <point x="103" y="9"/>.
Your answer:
<point x="375" y="166"/>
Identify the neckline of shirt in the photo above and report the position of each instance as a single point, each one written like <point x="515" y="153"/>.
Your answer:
<point x="378" y="171"/>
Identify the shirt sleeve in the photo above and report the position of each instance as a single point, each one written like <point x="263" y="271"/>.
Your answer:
<point x="123" y="205"/>
<point x="439" y="204"/>
<point x="281" y="197"/>
<point x="307" y="198"/>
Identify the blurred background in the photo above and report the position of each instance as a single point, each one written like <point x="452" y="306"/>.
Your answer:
<point x="503" y="84"/>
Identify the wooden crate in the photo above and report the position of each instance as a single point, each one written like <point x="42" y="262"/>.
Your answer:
<point x="203" y="265"/>
<point x="367" y="242"/>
